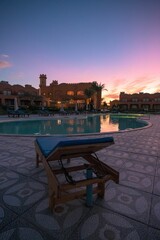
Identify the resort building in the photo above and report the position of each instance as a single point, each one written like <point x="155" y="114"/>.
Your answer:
<point x="68" y="95"/>
<point x="139" y="102"/>
<point x="26" y="96"/>
<point x="56" y="96"/>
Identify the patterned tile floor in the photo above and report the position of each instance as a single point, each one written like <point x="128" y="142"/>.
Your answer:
<point x="129" y="210"/>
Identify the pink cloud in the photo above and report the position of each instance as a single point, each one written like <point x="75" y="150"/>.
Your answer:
<point x="113" y="96"/>
<point x="4" y="64"/>
<point x="140" y="84"/>
<point x="131" y="85"/>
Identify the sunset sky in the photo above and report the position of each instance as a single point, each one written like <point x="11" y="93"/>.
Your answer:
<point x="113" y="42"/>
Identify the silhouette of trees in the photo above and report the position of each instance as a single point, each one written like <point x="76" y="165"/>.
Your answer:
<point x="94" y="90"/>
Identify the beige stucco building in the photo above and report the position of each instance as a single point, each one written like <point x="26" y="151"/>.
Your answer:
<point x="67" y="94"/>
<point x="137" y="102"/>
<point x="26" y="96"/>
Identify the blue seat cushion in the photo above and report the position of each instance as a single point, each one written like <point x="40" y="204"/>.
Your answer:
<point x="49" y="144"/>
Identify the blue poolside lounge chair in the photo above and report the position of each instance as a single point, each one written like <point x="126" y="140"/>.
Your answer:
<point x="53" y="151"/>
<point x="45" y="112"/>
<point x="17" y="113"/>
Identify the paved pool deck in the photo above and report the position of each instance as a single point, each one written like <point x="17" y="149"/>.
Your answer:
<point x="129" y="210"/>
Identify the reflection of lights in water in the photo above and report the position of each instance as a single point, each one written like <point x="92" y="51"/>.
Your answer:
<point x="69" y="129"/>
<point x="71" y="121"/>
<point x="107" y="125"/>
<point x="91" y="124"/>
<point x="48" y="123"/>
<point x="104" y="117"/>
<point x="80" y="121"/>
<point x="59" y="121"/>
<point x="80" y="129"/>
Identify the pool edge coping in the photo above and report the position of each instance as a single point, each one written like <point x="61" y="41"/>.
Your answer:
<point x="149" y="124"/>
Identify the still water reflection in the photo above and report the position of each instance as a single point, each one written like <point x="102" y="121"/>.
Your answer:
<point x="71" y="125"/>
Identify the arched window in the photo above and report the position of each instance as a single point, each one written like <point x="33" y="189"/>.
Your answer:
<point x="80" y="93"/>
<point x="70" y="93"/>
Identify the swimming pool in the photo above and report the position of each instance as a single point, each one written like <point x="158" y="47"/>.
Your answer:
<point x="80" y="124"/>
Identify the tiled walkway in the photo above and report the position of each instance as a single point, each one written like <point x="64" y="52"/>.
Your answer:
<point x="130" y="209"/>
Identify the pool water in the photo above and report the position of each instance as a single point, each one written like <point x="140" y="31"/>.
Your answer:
<point x="71" y="125"/>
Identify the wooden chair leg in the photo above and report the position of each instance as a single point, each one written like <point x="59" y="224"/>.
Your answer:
<point x="37" y="160"/>
<point x="101" y="187"/>
<point x="52" y="200"/>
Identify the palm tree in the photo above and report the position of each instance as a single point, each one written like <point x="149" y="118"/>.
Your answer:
<point x="97" y="88"/>
<point x="88" y="92"/>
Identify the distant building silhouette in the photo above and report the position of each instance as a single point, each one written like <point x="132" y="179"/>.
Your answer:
<point x="137" y="102"/>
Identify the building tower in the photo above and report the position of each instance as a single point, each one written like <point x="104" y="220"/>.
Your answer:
<point x="43" y="79"/>
<point x="42" y="83"/>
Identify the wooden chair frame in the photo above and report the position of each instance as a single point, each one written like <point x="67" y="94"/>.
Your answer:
<point x="61" y="193"/>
